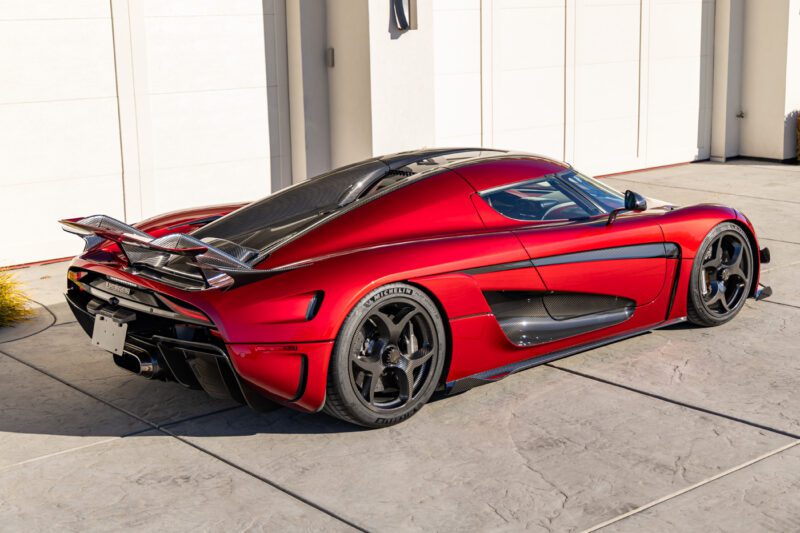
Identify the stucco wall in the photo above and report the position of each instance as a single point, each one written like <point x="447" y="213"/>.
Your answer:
<point x="792" y="102"/>
<point x="764" y="79"/>
<point x="349" y="82"/>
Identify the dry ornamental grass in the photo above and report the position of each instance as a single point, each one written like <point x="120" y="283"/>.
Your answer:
<point x="13" y="303"/>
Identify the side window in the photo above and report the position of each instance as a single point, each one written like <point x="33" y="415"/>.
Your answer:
<point x="603" y="195"/>
<point x="538" y="199"/>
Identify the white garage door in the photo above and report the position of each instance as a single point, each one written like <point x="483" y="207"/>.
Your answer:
<point x="145" y="108"/>
<point x="59" y="134"/>
<point x="609" y="85"/>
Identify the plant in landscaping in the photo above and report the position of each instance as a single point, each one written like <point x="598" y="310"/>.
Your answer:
<point x="13" y="303"/>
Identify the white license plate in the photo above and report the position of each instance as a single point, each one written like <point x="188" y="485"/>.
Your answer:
<point x="109" y="335"/>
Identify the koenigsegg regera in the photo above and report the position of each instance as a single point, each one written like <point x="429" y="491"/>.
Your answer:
<point x="365" y="290"/>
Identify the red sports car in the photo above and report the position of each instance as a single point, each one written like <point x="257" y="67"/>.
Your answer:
<point x="363" y="291"/>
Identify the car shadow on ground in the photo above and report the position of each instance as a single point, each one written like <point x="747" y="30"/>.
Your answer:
<point x="126" y="402"/>
<point x="56" y="410"/>
<point x="107" y="401"/>
<point x="109" y="396"/>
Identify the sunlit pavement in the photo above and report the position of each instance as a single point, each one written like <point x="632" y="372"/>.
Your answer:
<point x="681" y="429"/>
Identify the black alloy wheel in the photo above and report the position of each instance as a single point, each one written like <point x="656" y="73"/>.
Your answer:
<point x="391" y="353"/>
<point x="388" y="357"/>
<point x="722" y="276"/>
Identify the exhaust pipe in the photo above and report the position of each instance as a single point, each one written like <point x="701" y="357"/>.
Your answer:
<point x="138" y="361"/>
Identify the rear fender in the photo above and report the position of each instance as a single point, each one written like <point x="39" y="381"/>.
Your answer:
<point x="344" y="279"/>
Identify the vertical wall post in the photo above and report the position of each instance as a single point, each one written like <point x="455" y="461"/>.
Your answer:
<point x="726" y="100"/>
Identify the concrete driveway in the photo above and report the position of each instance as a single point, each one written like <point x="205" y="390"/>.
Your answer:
<point x="681" y="429"/>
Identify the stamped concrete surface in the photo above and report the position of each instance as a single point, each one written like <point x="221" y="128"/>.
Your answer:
<point x="682" y="429"/>
<point x="148" y="483"/>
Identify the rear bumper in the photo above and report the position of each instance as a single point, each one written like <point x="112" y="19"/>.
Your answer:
<point x="294" y="375"/>
<point x="193" y="355"/>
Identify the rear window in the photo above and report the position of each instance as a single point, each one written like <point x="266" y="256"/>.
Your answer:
<point x="279" y="216"/>
<point x="268" y="222"/>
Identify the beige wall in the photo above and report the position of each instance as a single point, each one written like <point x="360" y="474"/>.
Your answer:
<point x="349" y="81"/>
<point x="764" y="78"/>
<point x="792" y="103"/>
<point x="308" y="88"/>
<point x="727" y="87"/>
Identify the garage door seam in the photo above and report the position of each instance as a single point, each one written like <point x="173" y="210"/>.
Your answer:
<point x="163" y="430"/>
<point x="677" y="402"/>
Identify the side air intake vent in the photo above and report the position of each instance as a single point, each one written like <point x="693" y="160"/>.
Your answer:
<point x="529" y="318"/>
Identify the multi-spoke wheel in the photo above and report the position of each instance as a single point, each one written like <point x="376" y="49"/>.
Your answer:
<point x="388" y="357"/>
<point x="721" y="277"/>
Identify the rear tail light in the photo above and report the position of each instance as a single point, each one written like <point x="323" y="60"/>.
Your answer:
<point x="75" y="276"/>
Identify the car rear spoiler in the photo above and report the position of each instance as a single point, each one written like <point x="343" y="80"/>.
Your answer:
<point x="200" y="260"/>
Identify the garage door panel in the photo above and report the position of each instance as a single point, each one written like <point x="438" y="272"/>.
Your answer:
<point x="208" y="127"/>
<point x="457" y="105"/>
<point x="606" y="91"/>
<point x="529" y="38"/>
<point x="194" y="53"/>
<point x="525" y="98"/>
<point x="547" y="140"/>
<point x="607" y="33"/>
<point x="184" y="187"/>
<point x="40" y="205"/>
<point x="675" y="84"/>
<point x="82" y="61"/>
<point x="605" y="145"/>
<point x="608" y="3"/>
<point x="544" y="140"/>
<point x="634" y="90"/>
<point x="677" y="30"/>
<point x="57" y="140"/>
<point x="662" y="148"/>
<point x="192" y="8"/>
<point x="516" y="4"/>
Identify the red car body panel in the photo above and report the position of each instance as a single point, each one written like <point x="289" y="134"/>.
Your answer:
<point x="440" y="234"/>
<point x="184" y="220"/>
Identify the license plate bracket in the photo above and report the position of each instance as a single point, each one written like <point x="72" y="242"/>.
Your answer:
<point x="109" y="334"/>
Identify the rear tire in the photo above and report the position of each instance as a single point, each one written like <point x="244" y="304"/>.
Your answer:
<point x="387" y="359"/>
<point x="722" y="276"/>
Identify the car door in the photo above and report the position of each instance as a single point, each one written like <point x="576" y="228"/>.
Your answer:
<point x="595" y="275"/>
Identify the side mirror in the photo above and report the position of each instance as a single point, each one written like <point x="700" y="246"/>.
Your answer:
<point x="633" y="202"/>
